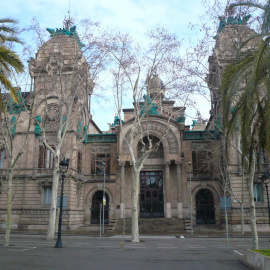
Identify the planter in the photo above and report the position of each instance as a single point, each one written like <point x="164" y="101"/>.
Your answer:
<point x="256" y="260"/>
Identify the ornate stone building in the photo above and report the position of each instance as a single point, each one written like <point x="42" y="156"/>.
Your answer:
<point x="185" y="161"/>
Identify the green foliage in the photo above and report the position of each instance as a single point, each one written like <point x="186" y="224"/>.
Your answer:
<point x="9" y="60"/>
<point x="246" y="87"/>
<point x="265" y="252"/>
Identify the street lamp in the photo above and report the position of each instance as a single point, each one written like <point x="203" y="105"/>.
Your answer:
<point x="63" y="169"/>
<point x="191" y="225"/>
<point x="266" y="179"/>
<point x="104" y="195"/>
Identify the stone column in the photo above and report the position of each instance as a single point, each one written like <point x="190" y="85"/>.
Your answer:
<point x="122" y="190"/>
<point x="168" y="211"/>
<point x="179" y="191"/>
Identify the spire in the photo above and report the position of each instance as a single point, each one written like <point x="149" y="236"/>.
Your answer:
<point x="69" y="29"/>
<point x="68" y="21"/>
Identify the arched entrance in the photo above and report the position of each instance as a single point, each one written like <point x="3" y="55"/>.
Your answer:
<point x="205" y="208"/>
<point x="95" y="209"/>
<point x="151" y="196"/>
<point x="151" y="182"/>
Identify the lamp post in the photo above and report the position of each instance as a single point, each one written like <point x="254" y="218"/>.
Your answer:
<point x="266" y="179"/>
<point x="63" y="169"/>
<point x="191" y="225"/>
<point x="104" y="196"/>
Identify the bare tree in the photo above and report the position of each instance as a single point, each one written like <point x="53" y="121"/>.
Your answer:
<point x="63" y="75"/>
<point x="135" y="72"/>
<point x="13" y="145"/>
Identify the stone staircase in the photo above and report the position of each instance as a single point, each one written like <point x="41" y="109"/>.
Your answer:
<point x="152" y="225"/>
<point x="111" y="225"/>
<point x="187" y="224"/>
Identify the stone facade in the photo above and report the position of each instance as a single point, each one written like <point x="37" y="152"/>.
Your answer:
<point x="185" y="157"/>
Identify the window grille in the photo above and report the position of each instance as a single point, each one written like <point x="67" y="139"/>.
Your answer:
<point x="202" y="158"/>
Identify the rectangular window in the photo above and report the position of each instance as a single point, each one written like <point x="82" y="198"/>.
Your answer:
<point x="257" y="190"/>
<point x="97" y="164"/>
<point x="2" y="157"/>
<point x="46" y="158"/>
<point x="47" y="195"/>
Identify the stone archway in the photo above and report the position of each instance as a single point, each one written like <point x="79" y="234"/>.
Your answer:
<point x="205" y="207"/>
<point x="97" y="210"/>
<point x="157" y="129"/>
<point x="89" y="199"/>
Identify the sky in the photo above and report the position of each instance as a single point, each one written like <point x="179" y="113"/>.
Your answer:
<point x="132" y="16"/>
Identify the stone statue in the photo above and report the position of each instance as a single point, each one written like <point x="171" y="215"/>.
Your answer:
<point x="71" y="32"/>
<point x="230" y="21"/>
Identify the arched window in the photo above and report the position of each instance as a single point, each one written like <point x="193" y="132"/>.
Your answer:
<point x="156" y="145"/>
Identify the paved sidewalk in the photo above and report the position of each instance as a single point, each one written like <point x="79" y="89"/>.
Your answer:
<point x="27" y="252"/>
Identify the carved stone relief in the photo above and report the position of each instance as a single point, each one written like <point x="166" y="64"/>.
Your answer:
<point x="153" y="127"/>
<point x="199" y="146"/>
<point x="100" y="148"/>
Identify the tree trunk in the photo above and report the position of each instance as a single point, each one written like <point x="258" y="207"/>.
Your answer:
<point x="226" y="222"/>
<point x="253" y="224"/>
<point x="51" y="227"/>
<point x="9" y="206"/>
<point x="134" y="206"/>
<point x="242" y="203"/>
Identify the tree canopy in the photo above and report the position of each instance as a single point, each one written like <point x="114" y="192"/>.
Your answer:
<point x="246" y="90"/>
<point x="9" y="60"/>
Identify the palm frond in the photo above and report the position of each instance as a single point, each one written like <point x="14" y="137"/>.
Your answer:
<point x="4" y="38"/>
<point x="2" y="106"/>
<point x="12" y="90"/>
<point x="11" y="58"/>
<point x="8" y="20"/>
<point x="7" y="29"/>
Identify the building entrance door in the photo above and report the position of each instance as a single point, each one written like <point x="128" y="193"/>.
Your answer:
<point x="151" y="195"/>
<point x="95" y="209"/>
<point x="205" y="209"/>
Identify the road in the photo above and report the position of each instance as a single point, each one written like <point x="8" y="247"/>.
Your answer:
<point x="88" y="252"/>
